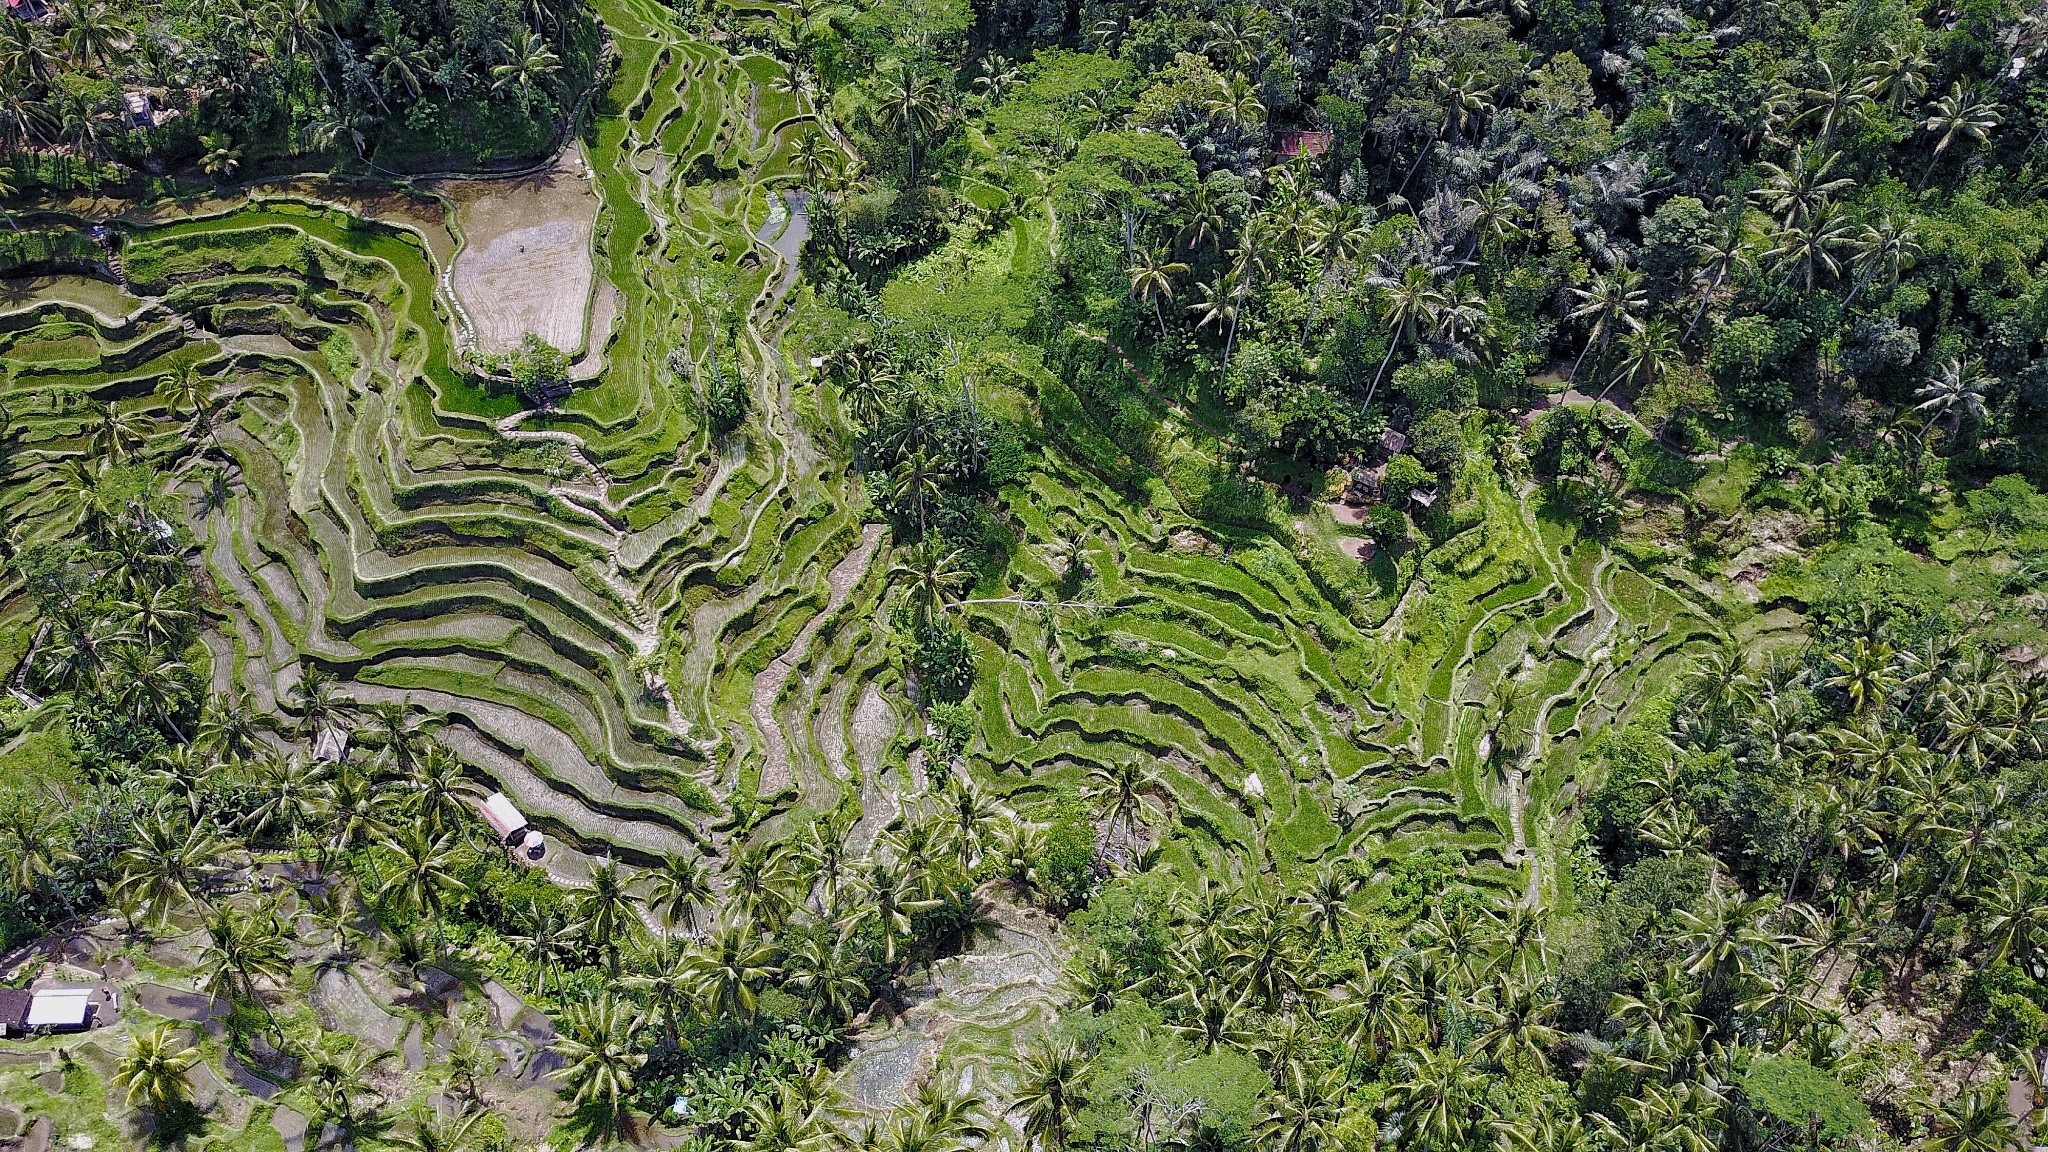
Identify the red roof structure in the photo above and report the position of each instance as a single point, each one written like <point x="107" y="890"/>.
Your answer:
<point x="1297" y="143"/>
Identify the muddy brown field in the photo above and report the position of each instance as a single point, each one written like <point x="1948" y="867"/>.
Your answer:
<point x="525" y="264"/>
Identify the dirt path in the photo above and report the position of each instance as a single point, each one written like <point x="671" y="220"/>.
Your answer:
<point x="769" y="681"/>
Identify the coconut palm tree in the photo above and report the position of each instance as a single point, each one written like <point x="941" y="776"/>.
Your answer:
<point x="152" y="1071"/>
<point x="1119" y="790"/>
<point x="660" y="975"/>
<point x="36" y="848"/>
<point x="821" y="858"/>
<point x="911" y="104"/>
<point x="1303" y="1115"/>
<point x="426" y="875"/>
<point x="967" y="814"/>
<point x="681" y="887"/>
<point x="1611" y="301"/>
<point x="1889" y="246"/>
<point x="1519" y="1035"/>
<point x="1726" y="252"/>
<point x="528" y="61"/>
<point x="1151" y="278"/>
<point x="93" y="38"/>
<point x="600" y="1051"/>
<point x="1408" y="307"/>
<point x="1375" y="1013"/>
<point x="1956" y="392"/>
<point x="890" y="897"/>
<point x="169" y="862"/>
<point x="441" y="792"/>
<point x="295" y="791"/>
<point x="1648" y="352"/>
<point x="1324" y="900"/>
<point x="762" y="886"/>
<point x="828" y="974"/>
<point x="1802" y="188"/>
<point x="244" y="946"/>
<point x="1440" y="1102"/>
<point x="1957" y="115"/>
<point x="607" y="912"/>
<point x="937" y="579"/>
<point x="1052" y="1078"/>
<point x="725" y="968"/>
<point x="1019" y="847"/>
<point x="190" y="391"/>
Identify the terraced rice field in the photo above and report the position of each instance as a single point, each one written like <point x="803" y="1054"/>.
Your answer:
<point x="652" y="637"/>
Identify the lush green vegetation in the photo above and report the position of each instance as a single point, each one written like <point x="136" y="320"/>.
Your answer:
<point x="1240" y="576"/>
<point x="247" y="89"/>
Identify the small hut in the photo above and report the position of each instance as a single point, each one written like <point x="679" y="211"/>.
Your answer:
<point x="512" y="828"/>
<point x="1423" y="497"/>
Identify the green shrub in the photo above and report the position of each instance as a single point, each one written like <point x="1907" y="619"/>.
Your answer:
<point x="944" y="662"/>
<point x="1802" y="1096"/>
<point x="1745" y="360"/>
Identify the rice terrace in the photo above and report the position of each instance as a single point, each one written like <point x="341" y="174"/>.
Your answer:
<point x="922" y="575"/>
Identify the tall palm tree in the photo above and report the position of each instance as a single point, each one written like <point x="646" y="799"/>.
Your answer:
<point x="1722" y="254"/>
<point x="441" y="791"/>
<point x="660" y="975"/>
<point x="152" y="1071"/>
<point x="911" y="104"/>
<point x="967" y="815"/>
<point x="680" y="889"/>
<point x="1801" y="189"/>
<point x="426" y="874"/>
<point x="1647" y="353"/>
<point x="1053" y="1078"/>
<point x="528" y="61"/>
<point x="938" y="577"/>
<point x="1959" y="115"/>
<point x="1440" y="1101"/>
<point x="1151" y="278"/>
<point x="1611" y="301"/>
<point x="1956" y="392"/>
<point x="1119" y="790"/>
<point x="244" y="946"/>
<point x="36" y="848"/>
<point x="1303" y="1115"/>
<point x="1889" y="246"/>
<point x="295" y="791"/>
<point x="607" y="912"/>
<point x="92" y="37"/>
<point x="169" y="862"/>
<point x="188" y="390"/>
<point x="403" y="732"/>
<point x="600" y="1053"/>
<point x="1408" y="307"/>
<point x="828" y="973"/>
<point x="725" y="968"/>
<point x="890" y="897"/>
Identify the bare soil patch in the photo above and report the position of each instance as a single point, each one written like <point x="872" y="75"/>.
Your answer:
<point x="525" y="264"/>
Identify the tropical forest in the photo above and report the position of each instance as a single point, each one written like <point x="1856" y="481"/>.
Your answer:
<point x="1024" y="575"/>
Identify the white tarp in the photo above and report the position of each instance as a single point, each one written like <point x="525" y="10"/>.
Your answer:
<point x="503" y="817"/>
<point x="59" y="1007"/>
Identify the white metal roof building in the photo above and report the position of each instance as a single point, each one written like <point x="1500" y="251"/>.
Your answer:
<point x="59" y="1009"/>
